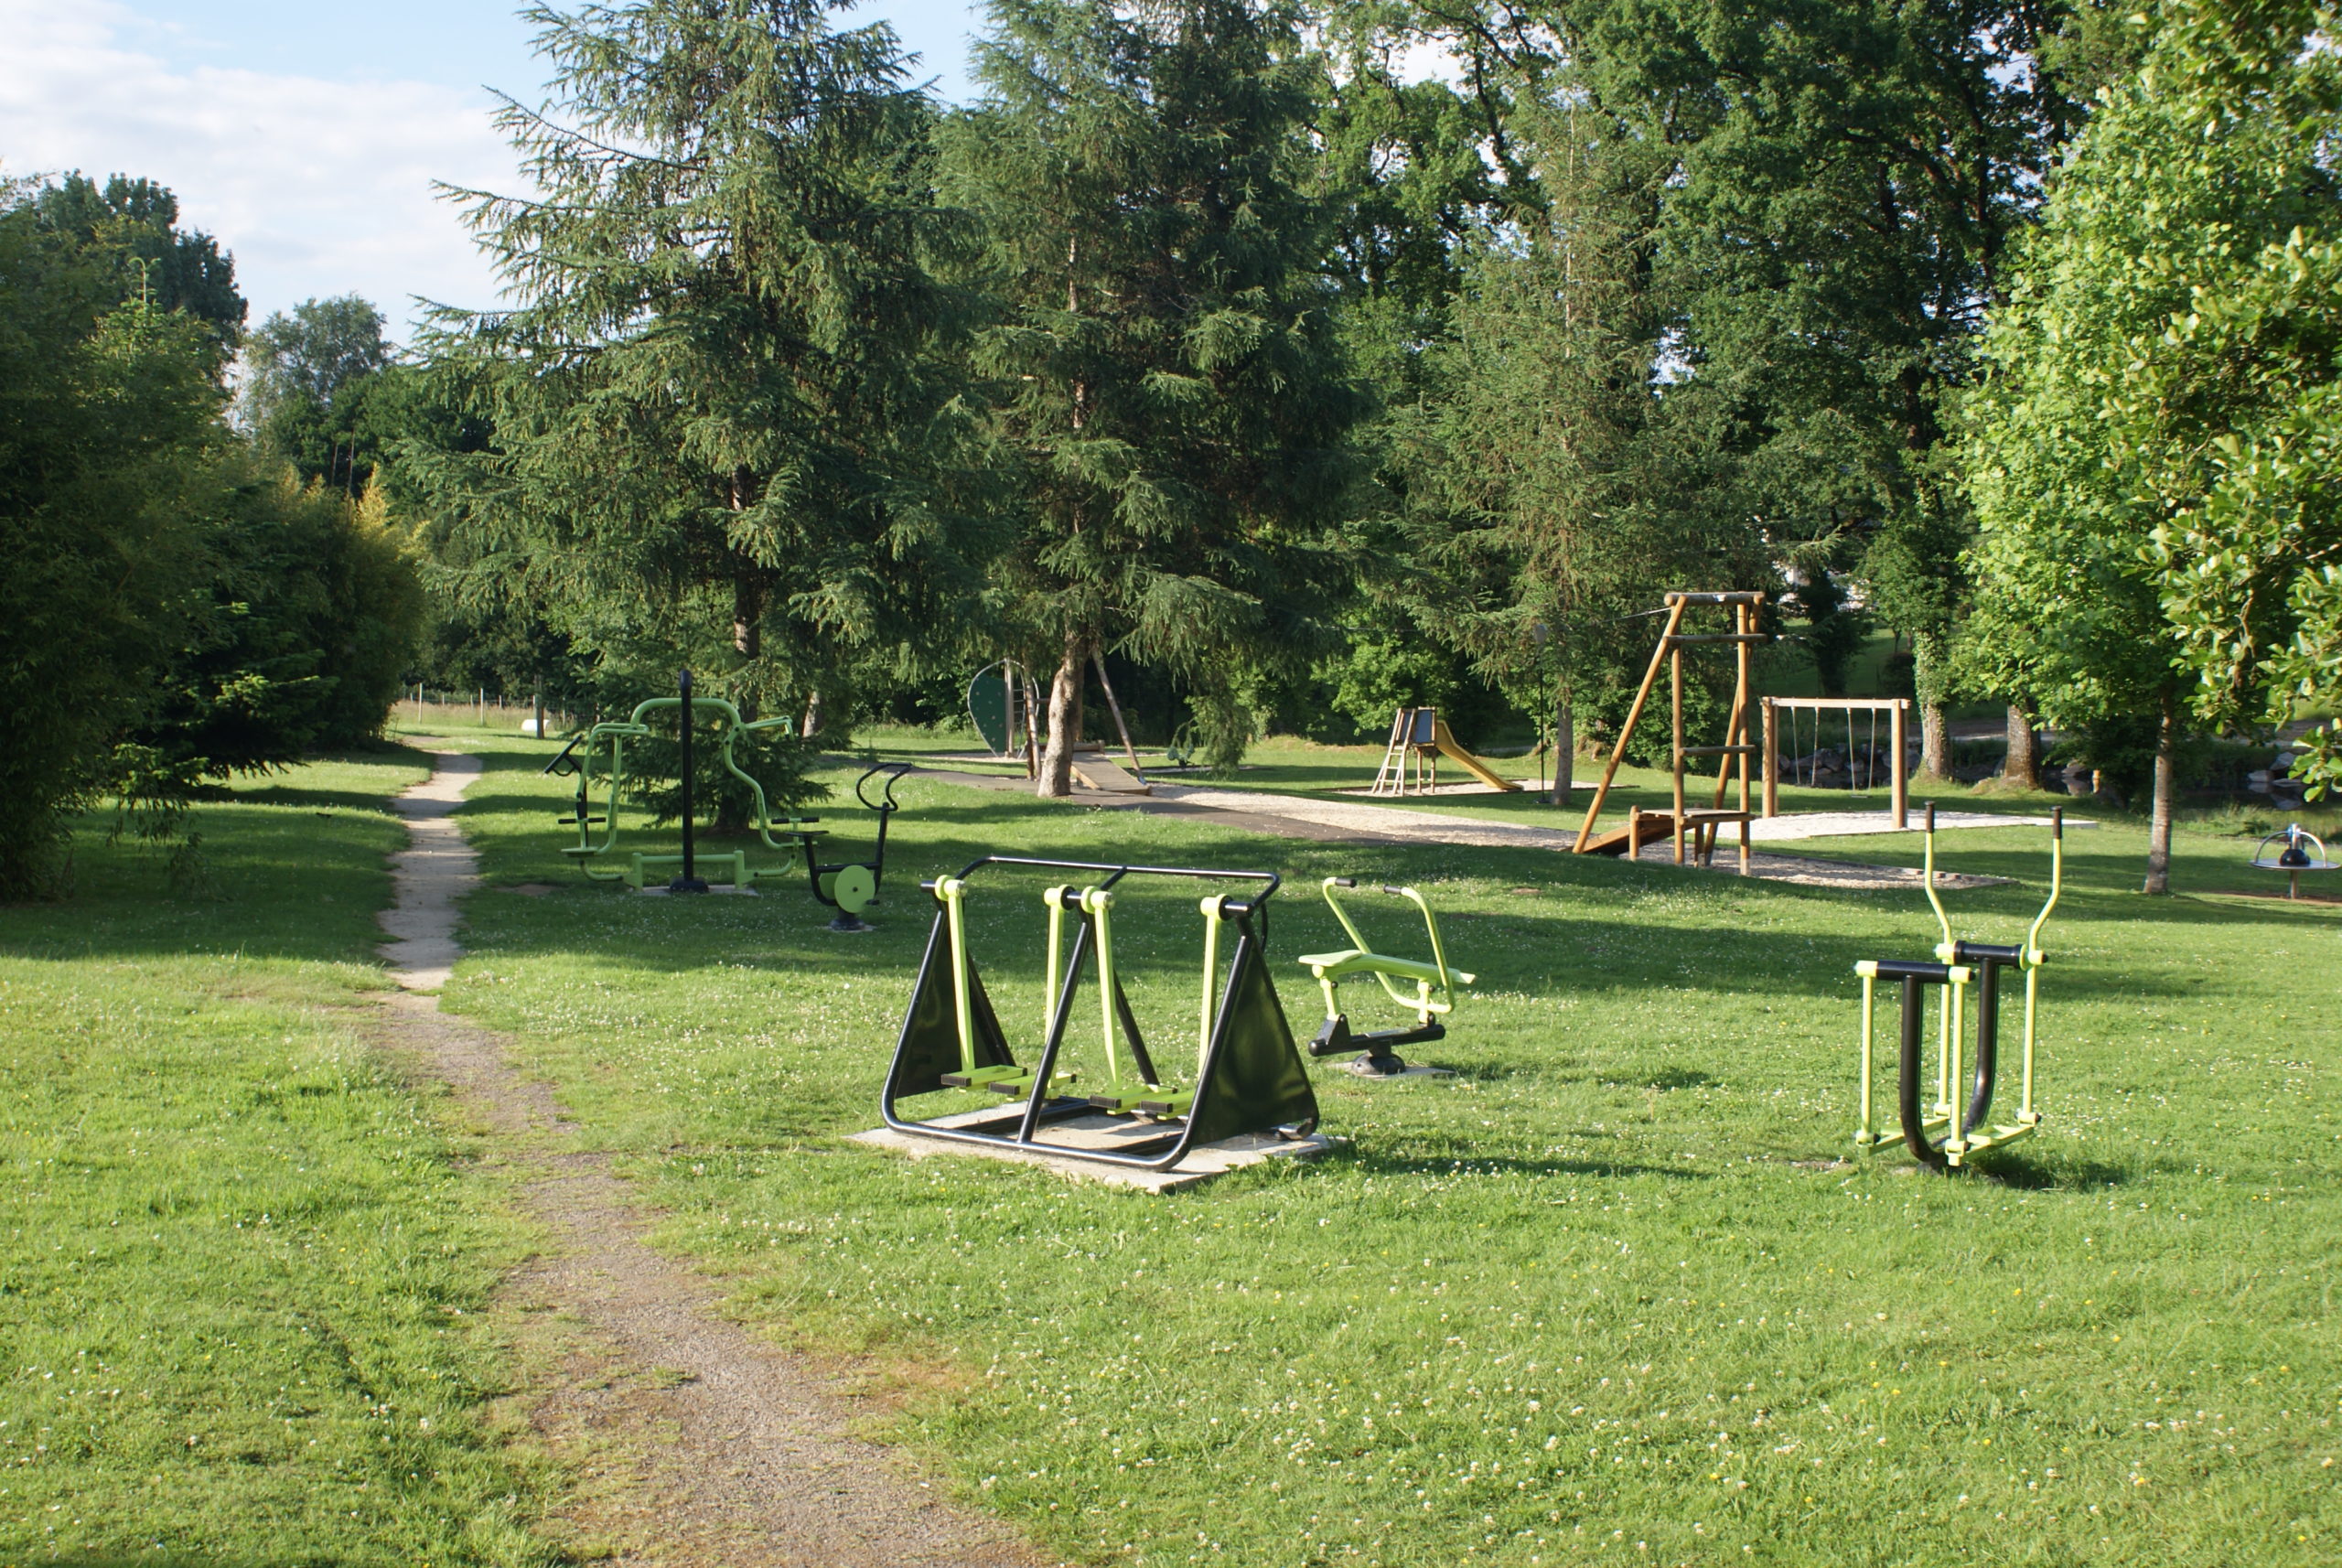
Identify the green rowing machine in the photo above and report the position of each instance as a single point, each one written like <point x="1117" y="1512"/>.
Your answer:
<point x="1336" y="1035"/>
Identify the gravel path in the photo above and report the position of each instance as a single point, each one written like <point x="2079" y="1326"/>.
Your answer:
<point x="1340" y="821"/>
<point x="697" y="1442"/>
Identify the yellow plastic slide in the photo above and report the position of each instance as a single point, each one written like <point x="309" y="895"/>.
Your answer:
<point x="1473" y="765"/>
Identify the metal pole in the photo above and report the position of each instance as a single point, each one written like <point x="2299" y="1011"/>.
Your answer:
<point x="689" y="882"/>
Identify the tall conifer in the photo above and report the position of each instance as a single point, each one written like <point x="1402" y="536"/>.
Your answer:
<point x="1168" y="387"/>
<point x="720" y="404"/>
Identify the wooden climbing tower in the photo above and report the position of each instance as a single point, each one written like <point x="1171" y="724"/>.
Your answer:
<point x="1647" y="827"/>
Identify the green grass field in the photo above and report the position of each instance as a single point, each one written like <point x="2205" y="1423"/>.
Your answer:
<point x="1619" y="1294"/>
<point x="241" y="1266"/>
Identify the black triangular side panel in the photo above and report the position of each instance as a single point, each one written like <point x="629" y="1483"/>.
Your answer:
<point x="1255" y="1081"/>
<point x="929" y="1045"/>
<point x="1131" y="1036"/>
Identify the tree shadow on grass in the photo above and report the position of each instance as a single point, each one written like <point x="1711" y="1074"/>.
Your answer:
<point x="320" y="799"/>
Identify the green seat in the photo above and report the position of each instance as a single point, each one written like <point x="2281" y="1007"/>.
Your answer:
<point x="1357" y="961"/>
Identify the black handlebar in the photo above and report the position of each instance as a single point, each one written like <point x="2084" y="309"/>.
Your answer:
<point x="561" y="766"/>
<point x="1116" y="873"/>
<point x="885" y="801"/>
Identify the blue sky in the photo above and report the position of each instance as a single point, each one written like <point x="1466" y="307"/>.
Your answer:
<point x="307" y="133"/>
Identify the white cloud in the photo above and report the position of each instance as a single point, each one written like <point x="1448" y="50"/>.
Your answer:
<point x="318" y="187"/>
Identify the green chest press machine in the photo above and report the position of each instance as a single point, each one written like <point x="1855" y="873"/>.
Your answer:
<point x="1934" y="1138"/>
<point x="1432" y="999"/>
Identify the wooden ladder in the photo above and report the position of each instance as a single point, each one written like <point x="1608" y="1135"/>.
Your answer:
<point x="1646" y="827"/>
<point x="1391" y="779"/>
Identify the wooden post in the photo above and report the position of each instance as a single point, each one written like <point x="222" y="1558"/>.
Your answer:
<point x="1675" y="680"/>
<point x="1618" y="752"/>
<point x="1120" y="727"/>
<point x="1032" y="727"/>
<point x="1740" y="728"/>
<point x="1902" y="783"/>
<point x="1772" y="761"/>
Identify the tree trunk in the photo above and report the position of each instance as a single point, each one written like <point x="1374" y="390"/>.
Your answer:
<point x="1935" y="743"/>
<point x="1065" y="717"/>
<point x="811" y="726"/>
<point x="1934" y="734"/>
<point x="2166" y="791"/>
<point x="747" y="618"/>
<point x="1564" y="750"/>
<point x="2024" y="767"/>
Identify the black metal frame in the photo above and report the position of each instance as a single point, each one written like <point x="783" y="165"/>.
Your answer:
<point x="1910" y="1087"/>
<point x="1251" y="1040"/>
<point x="1335" y="1035"/>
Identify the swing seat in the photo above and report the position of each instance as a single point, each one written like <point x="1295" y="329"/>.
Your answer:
<point x="1357" y="961"/>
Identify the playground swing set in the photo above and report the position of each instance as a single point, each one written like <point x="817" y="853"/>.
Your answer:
<point x="849" y="886"/>
<point x="1898" y="713"/>
<point x="1249" y="1075"/>
<point x="1935" y="1139"/>
<point x="1433" y="998"/>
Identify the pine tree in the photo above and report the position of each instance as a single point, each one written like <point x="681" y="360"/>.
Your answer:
<point x="723" y="408"/>
<point x="1169" y="388"/>
<point x="1554" y="488"/>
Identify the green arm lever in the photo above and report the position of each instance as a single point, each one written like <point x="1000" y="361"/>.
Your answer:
<point x="2032" y="954"/>
<point x="1943" y="949"/>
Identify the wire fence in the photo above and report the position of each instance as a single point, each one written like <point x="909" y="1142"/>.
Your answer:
<point x="423" y="709"/>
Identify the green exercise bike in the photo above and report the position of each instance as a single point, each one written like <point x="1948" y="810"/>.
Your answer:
<point x="1426" y="990"/>
<point x="1930" y="1131"/>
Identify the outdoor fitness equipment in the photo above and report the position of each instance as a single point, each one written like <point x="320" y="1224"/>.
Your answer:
<point x="1327" y="968"/>
<point x="850" y="886"/>
<point x="1934" y="1139"/>
<point x="601" y="751"/>
<point x="1249" y="1075"/>
<point x="2294" y="858"/>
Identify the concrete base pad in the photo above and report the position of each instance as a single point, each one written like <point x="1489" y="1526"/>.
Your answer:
<point x="1356" y="1068"/>
<point x="1104" y="1131"/>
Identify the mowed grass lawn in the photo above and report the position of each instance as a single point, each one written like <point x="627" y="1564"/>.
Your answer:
<point x="1620" y="1292"/>
<point x="241" y="1268"/>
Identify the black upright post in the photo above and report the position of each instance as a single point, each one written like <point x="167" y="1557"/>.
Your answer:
<point x="689" y="882"/>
